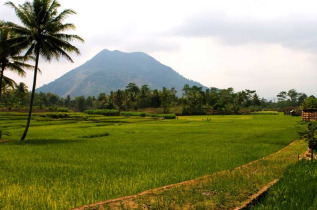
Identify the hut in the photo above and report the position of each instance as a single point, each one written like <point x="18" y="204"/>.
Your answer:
<point x="309" y="115"/>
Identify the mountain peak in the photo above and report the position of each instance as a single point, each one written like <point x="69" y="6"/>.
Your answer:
<point x="112" y="70"/>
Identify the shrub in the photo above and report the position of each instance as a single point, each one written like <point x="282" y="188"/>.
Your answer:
<point x="143" y="114"/>
<point x="165" y="116"/>
<point x="137" y="114"/>
<point x="190" y="110"/>
<point x="96" y="135"/>
<point x="62" y="110"/>
<point x="105" y="112"/>
<point x="57" y="116"/>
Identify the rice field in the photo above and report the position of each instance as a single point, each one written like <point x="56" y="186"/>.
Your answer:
<point x="296" y="190"/>
<point x="73" y="159"/>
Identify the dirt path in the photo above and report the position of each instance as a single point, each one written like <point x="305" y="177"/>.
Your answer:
<point x="229" y="189"/>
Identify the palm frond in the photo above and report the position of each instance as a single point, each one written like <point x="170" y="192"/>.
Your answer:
<point x="8" y="82"/>
<point x="16" y="68"/>
<point x="21" y="12"/>
<point x="69" y="37"/>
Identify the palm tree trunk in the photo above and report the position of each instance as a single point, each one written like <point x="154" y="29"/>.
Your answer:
<point x="1" y="81"/>
<point x="32" y="95"/>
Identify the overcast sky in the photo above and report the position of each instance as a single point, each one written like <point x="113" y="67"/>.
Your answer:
<point x="268" y="46"/>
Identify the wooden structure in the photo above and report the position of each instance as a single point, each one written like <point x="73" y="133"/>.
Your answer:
<point x="309" y="115"/>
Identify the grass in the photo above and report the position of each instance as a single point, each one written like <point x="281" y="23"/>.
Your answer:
<point x="296" y="190"/>
<point x="57" y="168"/>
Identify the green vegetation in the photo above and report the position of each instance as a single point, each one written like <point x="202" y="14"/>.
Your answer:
<point x="296" y="190"/>
<point x="113" y="112"/>
<point x="82" y="159"/>
<point x="3" y="132"/>
<point x="194" y="101"/>
<point x="105" y="112"/>
<point x="309" y="134"/>
<point x="62" y="110"/>
<point x="265" y="113"/>
<point x="140" y="114"/>
<point x="310" y="103"/>
<point x="143" y="114"/>
<point x="9" y="57"/>
<point x="290" y="98"/>
<point x="227" y="189"/>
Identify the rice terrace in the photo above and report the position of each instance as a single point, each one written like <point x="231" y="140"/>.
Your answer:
<point x="86" y="126"/>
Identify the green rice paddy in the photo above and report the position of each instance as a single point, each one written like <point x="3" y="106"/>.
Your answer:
<point x="74" y="159"/>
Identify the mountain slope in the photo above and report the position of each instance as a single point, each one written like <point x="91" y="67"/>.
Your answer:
<point x="112" y="70"/>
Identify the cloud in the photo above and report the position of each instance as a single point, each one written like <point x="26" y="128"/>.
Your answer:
<point x="296" y="32"/>
<point x="133" y="42"/>
<point x="266" y="68"/>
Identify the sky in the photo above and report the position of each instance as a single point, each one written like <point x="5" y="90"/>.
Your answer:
<point x="268" y="46"/>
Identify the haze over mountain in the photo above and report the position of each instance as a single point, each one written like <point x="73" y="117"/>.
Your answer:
<point x="112" y="70"/>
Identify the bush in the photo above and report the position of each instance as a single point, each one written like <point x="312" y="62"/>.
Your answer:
<point x="138" y="114"/>
<point x="57" y="116"/>
<point x="165" y="116"/>
<point x="188" y="110"/>
<point x="105" y="112"/>
<point x="96" y="135"/>
<point x="62" y="110"/>
<point x="143" y="114"/>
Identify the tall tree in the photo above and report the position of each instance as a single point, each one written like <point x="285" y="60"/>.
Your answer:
<point x="43" y="35"/>
<point x="9" y="54"/>
<point x="193" y="100"/>
<point x="133" y="90"/>
<point x="119" y="99"/>
<point x="144" y="95"/>
<point x="167" y="98"/>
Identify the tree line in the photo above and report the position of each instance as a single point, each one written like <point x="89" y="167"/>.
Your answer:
<point x="192" y="101"/>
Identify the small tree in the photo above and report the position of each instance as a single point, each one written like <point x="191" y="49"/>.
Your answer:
<point x="309" y="134"/>
<point x="80" y="103"/>
<point x="310" y="103"/>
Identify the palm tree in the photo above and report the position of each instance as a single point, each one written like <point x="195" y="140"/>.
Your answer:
<point x="7" y="86"/>
<point x="43" y="35"/>
<point x="20" y="91"/>
<point x="9" y="54"/>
